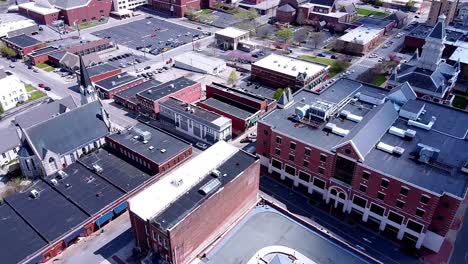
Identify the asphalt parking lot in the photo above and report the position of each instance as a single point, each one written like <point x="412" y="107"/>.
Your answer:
<point x="151" y="35"/>
<point x="126" y="60"/>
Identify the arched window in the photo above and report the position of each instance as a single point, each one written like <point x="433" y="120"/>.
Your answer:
<point x="52" y="163"/>
<point x="333" y="192"/>
<point x="342" y="195"/>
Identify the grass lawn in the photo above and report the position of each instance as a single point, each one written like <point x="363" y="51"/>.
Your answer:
<point x="204" y="12"/>
<point x="29" y="88"/>
<point x="91" y="23"/>
<point x="460" y="102"/>
<point x="368" y="12"/>
<point x="48" y="69"/>
<point x="42" y="65"/>
<point x="36" y="95"/>
<point x="379" y="80"/>
<point x="322" y="60"/>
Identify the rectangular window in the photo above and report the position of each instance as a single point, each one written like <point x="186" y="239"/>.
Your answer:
<point x="362" y="188"/>
<point x="414" y="226"/>
<point x="305" y="164"/>
<point x="424" y="199"/>
<point x="381" y="196"/>
<point x="278" y="140"/>
<point x="292" y="146"/>
<point x="377" y="209"/>
<point x="400" y="204"/>
<point x="404" y="191"/>
<point x="276" y="164"/>
<point x="321" y="170"/>
<point x="307" y="152"/>
<point x="265" y="132"/>
<point x="366" y="175"/>
<point x="359" y="201"/>
<point x="395" y="217"/>
<point x="384" y="183"/>
<point x="323" y="158"/>
<point x="291" y="157"/>
<point x="304" y="176"/>
<point x="420" y="212"/>
<point x="277" y="152"/>
<point x="290" y="170"/>
<point x="319" y="183"/>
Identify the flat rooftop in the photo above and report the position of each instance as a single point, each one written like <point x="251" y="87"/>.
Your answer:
<point x="51" y="214"/>
<point x="242" y="93"/>
<point x="192" y="199"/>
<point x="42" y="51"/>
<point x="361" y="35"/>
<point x="19" y="240"/>
<point x="175" y="184"/>
<point x="461" y="54"/>
<point x="23" y="41"/>
<point x="200" y="114"/>
<point x="423" y="30"/>
<point x="124" y="175"/>
<point x="230" y="107"/>
<point x="166" y="89"/>
<point x="266" y="227"/>
<point x="100" y="69"/>
<point x="160" y="147"/>
<point x="130" y="94"/>
<point x="232" y="32"/>
<point x="86" y="189"/>
<point x="40" y="9"/>
<point x="447" y="135"/>
<point x="116" y="81"/>
<point x="289" y="66"/>
<point x="256" y="88"/>
<point x="377" y="22"/>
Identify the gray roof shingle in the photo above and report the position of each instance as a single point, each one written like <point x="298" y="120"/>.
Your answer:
<point x="69" y="131"/>
<point x="8" y="139"/>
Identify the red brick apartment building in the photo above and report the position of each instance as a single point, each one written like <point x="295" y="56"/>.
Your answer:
<point x="69" y="11"/>
<point x="403" y="172"/>
<point x="196" y="203"/>
<point x="23" y="44"/>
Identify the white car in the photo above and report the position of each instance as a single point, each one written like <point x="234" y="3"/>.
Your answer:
<point x="201" y="145"/>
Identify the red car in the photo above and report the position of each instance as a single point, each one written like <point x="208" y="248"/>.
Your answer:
<point x="41" y="85"/>
<point x="153" y="35"/>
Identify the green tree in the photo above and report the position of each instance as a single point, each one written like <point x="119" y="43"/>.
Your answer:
<point x="233" y="78"/>
<point x="7" y="51"/>
<point x="191" y="14"/>
<point x="410" y="4"/>
<point x="285" y="34"/>
<point x="277" y="94"/>
<point x="339" y="66"/>
<point x="1" y="110"/>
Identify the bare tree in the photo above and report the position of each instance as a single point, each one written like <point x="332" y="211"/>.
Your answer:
<point x="316" y="38"/>
<point x="301" y="35"/>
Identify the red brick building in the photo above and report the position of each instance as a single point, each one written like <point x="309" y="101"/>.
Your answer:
<point x="102" y="71"/>
<point x="181" y="88"/>
<point x="69" y="11"/>
<point x="384" y="167"/>
<point x="41" y="55"/>
<point x="178" y="8"/>
<point x="207" y="204"/>
<point x="279" y="71"/>
<point x="108" y="87"/>
<point x="23" y="44"/>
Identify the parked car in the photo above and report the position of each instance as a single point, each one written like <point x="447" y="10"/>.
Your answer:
<point x="147" y="68"/>
<point x="35" y="70"/>
<point x="29" y="67"/>
<point x="12" y="65"/>
<point x="41" y="85"/>
<point x="47" y="88"/>
<point x="201" y="145"/>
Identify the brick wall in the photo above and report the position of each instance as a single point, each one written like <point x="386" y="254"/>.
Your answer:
<point x="238" y="124"/>
<point x="93" y="11"/>
<point x="215" y="215"/>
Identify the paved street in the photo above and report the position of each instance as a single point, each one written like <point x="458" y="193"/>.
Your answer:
<point x="460" y="248"/>
<point x="378" y="247"/>
<point x="116" y="240"/>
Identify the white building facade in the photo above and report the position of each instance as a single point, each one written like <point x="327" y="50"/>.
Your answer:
<point x="12" y="92"/>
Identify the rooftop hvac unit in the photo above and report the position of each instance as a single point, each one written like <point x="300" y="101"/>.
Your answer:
<point x="142" y="134"/>
<point x="336" y="130"/>
<point x="464" y="168"/>
<point x="97" y="168"/>
<point x="61" y="174"/>
<point x="163" y="150"/>
<point x="394" y="150"/>
<point x="210" y="186"/>
<point x="151" y="148"/>
<point x="54" y="182"/>
<point x="177" y="182"/>
<point x="427" y="126"/>
<point x="34" y="193"/>
<point x="407" y="134"/>
<point x="347" y="114"/>
<point x="427" y="153"/>
<point x="216" y="173"/>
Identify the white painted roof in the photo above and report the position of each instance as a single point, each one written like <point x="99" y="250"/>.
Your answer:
<point x="37" y="8"/>
<point x="155" y="198"/>
<point x="232" y="32"/>
<point x="288" y="65"/>
<point x="8" y="27"/>
<point x="361" y="34"/>
<point x="460" y="53"/>
<point x="222" y="121"/>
